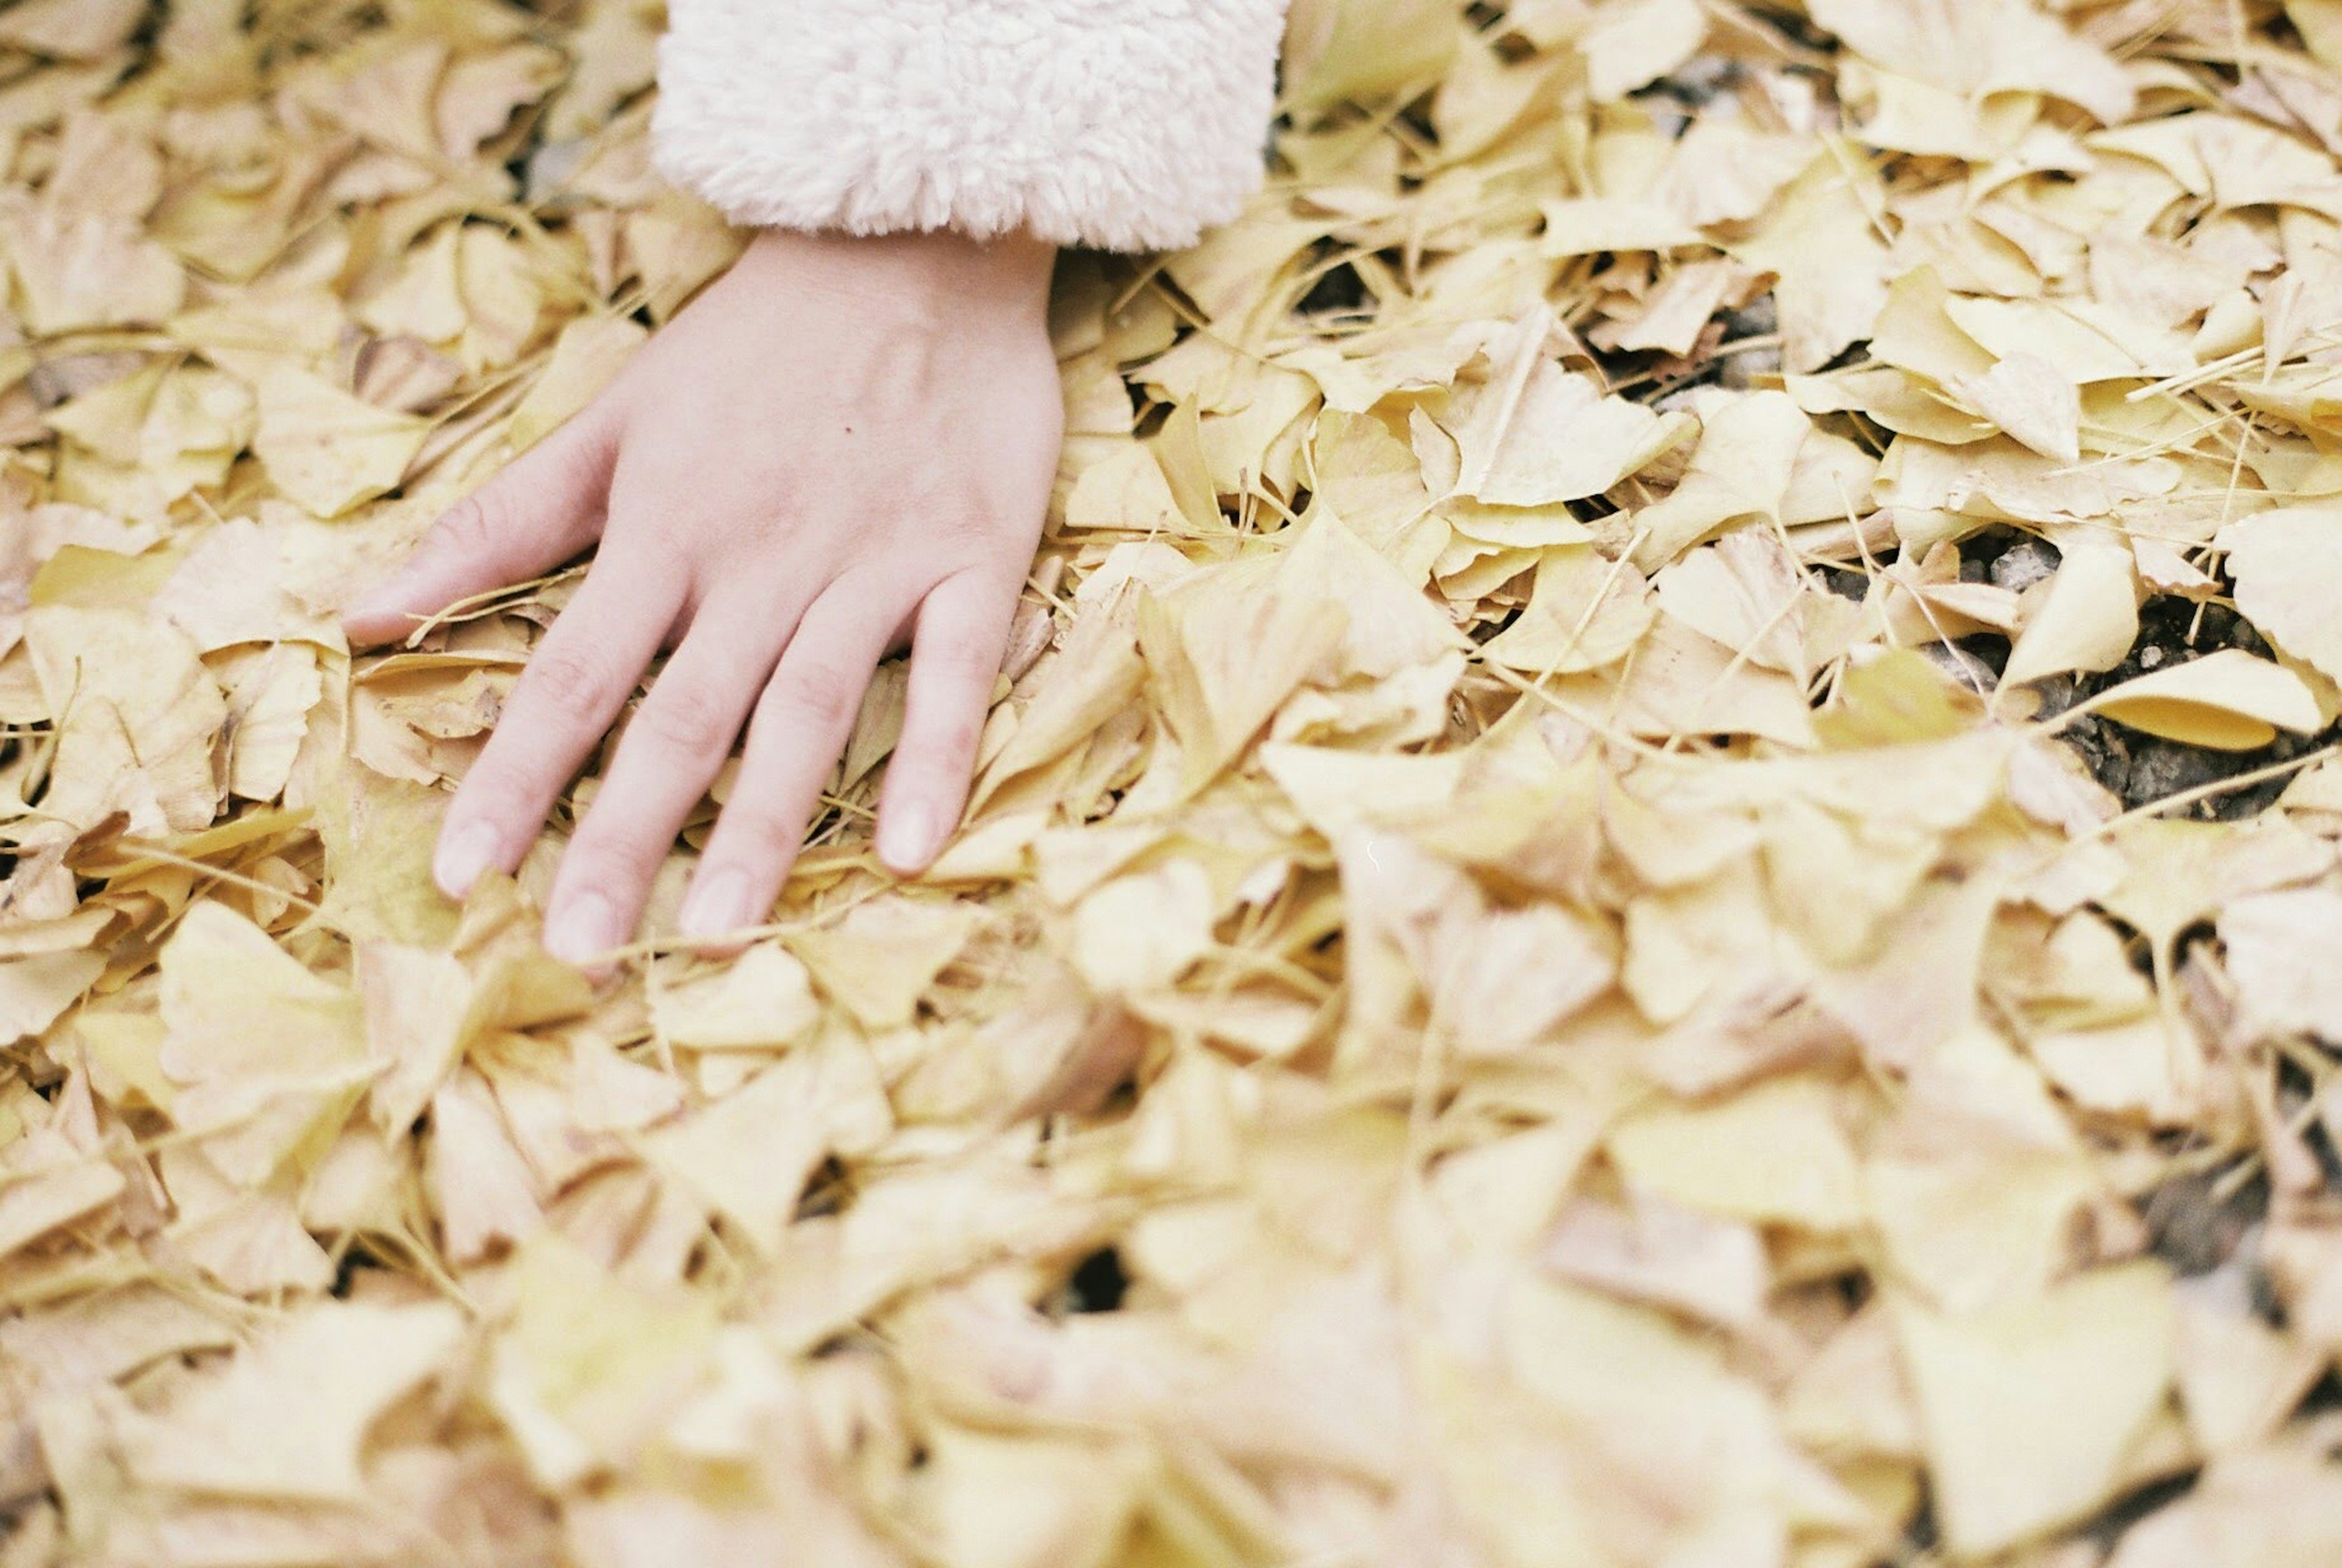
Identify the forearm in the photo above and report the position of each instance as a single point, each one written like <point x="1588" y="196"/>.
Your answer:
<point x="1122" y="124"/>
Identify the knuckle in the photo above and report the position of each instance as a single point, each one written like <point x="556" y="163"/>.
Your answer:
<point x="475" y="525"/>
<point x="498" y="788"/>
<point x="761" y="836"/>
<point x="955" y="742"/>
<point x="969" y="662"/>
<point x="570" y="682"/>
<point x="615" y="849"/>
<point x="688" y="719"/>
<point x="619" y="856"/>
<point x="818" y="696"/>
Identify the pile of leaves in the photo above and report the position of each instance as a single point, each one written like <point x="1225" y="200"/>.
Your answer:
<point x="1655" y="883"/>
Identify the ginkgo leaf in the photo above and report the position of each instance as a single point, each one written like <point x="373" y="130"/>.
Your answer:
<point x="2228" y="700"/>
<point x="2087" y="618"/>
<point x="1516" y="984"/>
<point x="1631" y="46"/>
<point x="327" y="450"/>
<point x="269" y="693"/>
<point x="763" y="1000"/>
<point x="747" y="1157"/>
<point x="1735" y="1159"/>
<point x="75" y="29"/>
<point x="2033" y="400"/>
<point x="2276" y="943"/>
<point x="290" y="1418"/>
<point x="586" y="356"/>
<point x="79" y="272"/>
<point x="2031" y="1410"/>
<point x="2287" y="566"/>
<point x="1534" y="434"/>
<point x="138" y="716"/>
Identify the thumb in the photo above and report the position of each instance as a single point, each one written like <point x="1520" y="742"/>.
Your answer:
<point x="542" y="508"/>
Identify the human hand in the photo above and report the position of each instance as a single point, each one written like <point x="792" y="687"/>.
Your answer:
<point x="843" y="445"/>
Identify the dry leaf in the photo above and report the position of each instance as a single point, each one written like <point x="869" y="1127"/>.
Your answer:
<point x="2031" y="1410"/>
<point x="1490" y="914"/>
<point x="2228" y="700"/>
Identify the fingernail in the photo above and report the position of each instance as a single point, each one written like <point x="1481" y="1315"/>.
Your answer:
<point x="718" y="902"/>
<point x="389" y="595"/>
<point x="464" y="854"/>
<point x="906" y="839"/>
<point x="584" y="928"/>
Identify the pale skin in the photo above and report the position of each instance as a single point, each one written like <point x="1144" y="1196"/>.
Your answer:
<point x="845" y="445"/>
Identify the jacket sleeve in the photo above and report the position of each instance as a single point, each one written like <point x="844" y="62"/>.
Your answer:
<point x="1127" y="125"/>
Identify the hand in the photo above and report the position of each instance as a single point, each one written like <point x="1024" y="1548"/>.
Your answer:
<point x="842" y="445"/>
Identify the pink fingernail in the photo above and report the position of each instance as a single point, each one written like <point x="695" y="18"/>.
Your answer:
<point x="464" y="854"/>
<point x="585" y="927"/>
<point x="718" y="902"/>
<point x="907" y="837"/>
<point x="389" y="595"/>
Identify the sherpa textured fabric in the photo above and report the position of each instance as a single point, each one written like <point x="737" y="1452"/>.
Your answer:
<point x="1127" y="125"/>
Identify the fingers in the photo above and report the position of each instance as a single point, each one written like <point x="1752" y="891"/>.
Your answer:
<point x="671" y="752"/>
<point x="540" y="510"/>
<point x="962" y="633"/>
<point x="800" y="726"/>
<point x="573" y="686"/>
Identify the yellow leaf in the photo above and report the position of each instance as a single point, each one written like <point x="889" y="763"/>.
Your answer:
<point x="2030" y="1409"/>
<point x="1589" y="225"/>
<point x="761" y="1001"/>
<point x="47" y="1184"/>
<point x="1005" y="1501"/>
<point x="1776" y="1155"/>
<point x="587" y="357"/>
<point x="1224" y="649"/>
<point x="269" y="693"/>
<point x="1361" y="49"/>
<point x="747" y="1156"/>
<point x="486" y="1194"/>
<point x="2287" y="566"/>
<point x="1140" y="932"/>
<point x="2088" y="620"/>
<point x="2228" y="700"/>
<point x="1584" y="613"/>
<point x="2279" y="944"/>
<point x="1741" y="469"/>
<point x="1533" y="434"/>
<point x="78" y="272"/>
<point x="1633" y="45"/>
<point x="880" y="960"/>
<point x="138" y="717"/>
<point x="289" y="1418"/>
<point x="35" y="991"/>
<point x="2239" y="1375"/>
<point x="2033" y="400"/>
<point x="237" y="1005"/>
<point x="71" y="29"/>
<point x="327" y="450"/>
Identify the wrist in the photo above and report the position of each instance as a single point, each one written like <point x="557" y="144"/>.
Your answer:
<point x="915" y="269"/>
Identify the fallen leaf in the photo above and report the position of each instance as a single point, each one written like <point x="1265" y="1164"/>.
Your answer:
<point x="2030" y="1409"/>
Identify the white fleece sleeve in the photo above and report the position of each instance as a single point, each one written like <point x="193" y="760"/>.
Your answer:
<point x="1128" y="124"/>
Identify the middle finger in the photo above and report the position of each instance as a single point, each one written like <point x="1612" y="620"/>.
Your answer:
<point x="801" y="725"/>
<point x="670" y="752"/>
<point x="573" y="687"/>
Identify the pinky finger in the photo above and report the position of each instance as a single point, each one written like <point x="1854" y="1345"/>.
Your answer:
<point x="959" y="638"/>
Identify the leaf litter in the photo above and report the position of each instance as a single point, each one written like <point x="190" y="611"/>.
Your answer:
<point x="1655" y="882"/>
